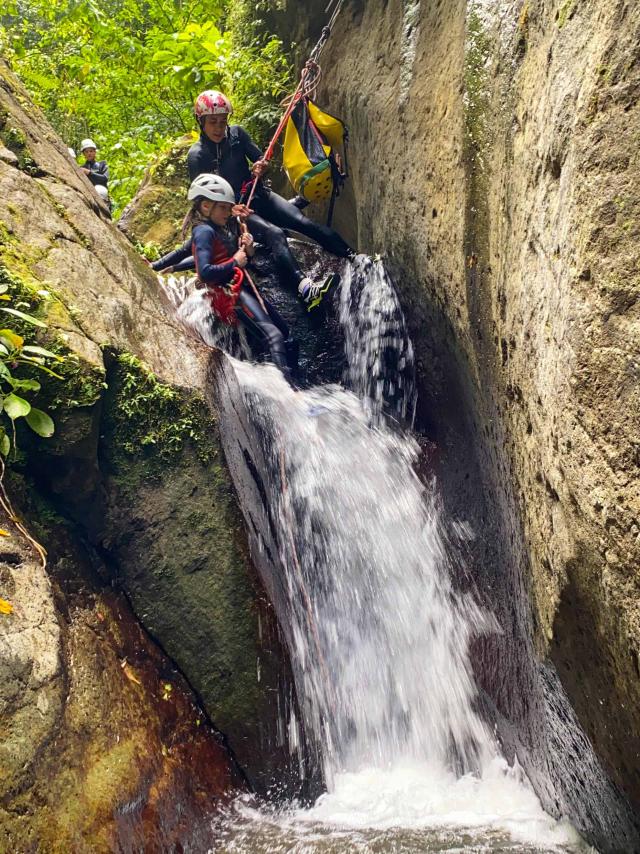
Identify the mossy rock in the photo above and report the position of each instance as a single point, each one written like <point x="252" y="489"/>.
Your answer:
<point x="174" y="533"/>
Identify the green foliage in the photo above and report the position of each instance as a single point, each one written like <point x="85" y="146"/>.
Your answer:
<point x="155" y="418"/>
<point x="20" y="362"/>
<point x="83" y="384"/>
<point x="149" y="250"/>
<point x="126" y="73"/>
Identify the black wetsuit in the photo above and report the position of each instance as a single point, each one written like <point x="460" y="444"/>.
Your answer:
<point x="179" y="259"/>
<point x="210" y="242"/>
<point x="98" y="171"/>
<point x="229" y="159"/>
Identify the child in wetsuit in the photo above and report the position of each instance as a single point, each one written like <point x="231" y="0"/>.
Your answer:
<point x="221" y="252"/>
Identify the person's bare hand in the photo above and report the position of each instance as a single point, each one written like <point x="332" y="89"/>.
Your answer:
<point x="259" y="168"/>
<point x="241" y="258"/>
<point x="241" y="210"/>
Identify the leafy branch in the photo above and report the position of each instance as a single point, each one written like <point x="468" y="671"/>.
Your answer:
<point x="126" y="73"/>
<point x="15" y="389"/>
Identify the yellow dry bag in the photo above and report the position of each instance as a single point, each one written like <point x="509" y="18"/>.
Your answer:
<point x="311" y="152"/>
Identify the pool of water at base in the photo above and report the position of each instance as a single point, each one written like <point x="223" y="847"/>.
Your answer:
<point x="251" y="831"/>
<point x="403" y="810"/>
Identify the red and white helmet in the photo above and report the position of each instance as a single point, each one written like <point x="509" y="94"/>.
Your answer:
<point x="212" y="103"/>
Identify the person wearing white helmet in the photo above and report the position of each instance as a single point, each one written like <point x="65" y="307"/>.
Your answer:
<point x="221" y="252"/>
<point x="226" y="150"/>
<point x="96" y="171"/>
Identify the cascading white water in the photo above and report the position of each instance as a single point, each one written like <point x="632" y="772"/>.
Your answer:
<point x="378" y="637"/>
<point x="378" y="350"/>
<point x="193" y="310"/>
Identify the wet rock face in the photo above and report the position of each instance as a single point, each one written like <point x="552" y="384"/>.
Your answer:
<point x="494" y="160"/>
<point x="98" y="725"/>
<point x="557" y="246"/>
<point x="84" y="738"/>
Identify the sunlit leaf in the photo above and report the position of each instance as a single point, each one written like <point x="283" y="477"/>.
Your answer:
<point x="16" y="407"/>
<point x="5" y="607"/>
<point x="11" y="338"/>
<point x="40" y="423"/>
<point x="26" y="317"/>
<point x="25" y="385"/>
<point x="40" y="351"/>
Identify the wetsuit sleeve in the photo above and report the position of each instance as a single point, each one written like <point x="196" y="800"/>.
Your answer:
<point x="100" y="175"/>
<point x="208" y="272"/>
<point x="195" y="161"/>
<point x="249" y="147"/>
<point x="175" y="257"/>
<point x="187" y="264"/>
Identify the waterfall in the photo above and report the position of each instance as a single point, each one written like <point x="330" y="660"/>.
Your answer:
<point x="361" y="567"/>
<point x="379" y="353"/>
<point x="378" y="638"/>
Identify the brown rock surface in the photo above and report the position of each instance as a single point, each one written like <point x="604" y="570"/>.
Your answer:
<point x="494" y="159"/>
<point x="102" y="743"/>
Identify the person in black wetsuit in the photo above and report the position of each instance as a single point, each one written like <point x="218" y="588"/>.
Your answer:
<point x="221" y="255"/>
<point x="227" y="150"/>
<point x="96" y="171"/>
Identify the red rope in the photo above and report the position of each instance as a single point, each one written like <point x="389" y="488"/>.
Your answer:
<point x="309" y="80"/>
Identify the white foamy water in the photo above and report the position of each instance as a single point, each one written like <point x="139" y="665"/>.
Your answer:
<point x="378" y="350"/>
<point x="378" y="637"/>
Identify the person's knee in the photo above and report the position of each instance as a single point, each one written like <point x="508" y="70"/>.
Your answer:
<point x="274" y="236"/>
<point x="275" y="338"/>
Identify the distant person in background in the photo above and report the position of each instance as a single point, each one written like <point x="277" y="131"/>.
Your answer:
<point x="96" y="171"/>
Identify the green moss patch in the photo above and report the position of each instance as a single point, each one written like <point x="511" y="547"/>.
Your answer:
<point x="151" y="419"/>
<point x="566" y="12"/>
<point x="15" y="140"/>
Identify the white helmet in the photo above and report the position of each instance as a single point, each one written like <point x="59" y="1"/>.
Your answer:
<point x="87" y="143"/>
<point x="211" y="187"/>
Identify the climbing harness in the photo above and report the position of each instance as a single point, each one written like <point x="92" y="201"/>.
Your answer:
<point x="320" y="129"/>
<point x="223" y="299"/>
<point x="244" y="230"/>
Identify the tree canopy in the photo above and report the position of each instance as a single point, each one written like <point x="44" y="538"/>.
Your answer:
<point x="126" y="72"/>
